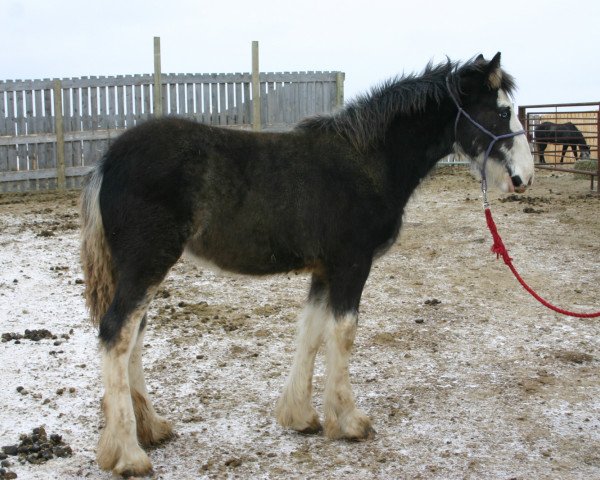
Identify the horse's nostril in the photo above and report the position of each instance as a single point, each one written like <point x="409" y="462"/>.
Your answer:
<point x="516" y="180"/>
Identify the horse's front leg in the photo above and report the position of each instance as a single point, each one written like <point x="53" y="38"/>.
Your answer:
<point x="542" y="147"/>
<point x="342" y="418"/>
<point x="294" y="408"/>
<point x="564" y="150"/>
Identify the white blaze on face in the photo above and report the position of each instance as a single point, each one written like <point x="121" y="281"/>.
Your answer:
<point x="518" y="158"/>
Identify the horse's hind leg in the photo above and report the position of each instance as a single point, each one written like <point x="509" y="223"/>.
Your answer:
<point x="118" y="449"/>
<point x="294" y="408"/>
<point x="145" y="242"/>
<point x="151" y="428"/>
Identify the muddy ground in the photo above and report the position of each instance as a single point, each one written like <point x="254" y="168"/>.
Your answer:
<point x="463" y="374"/>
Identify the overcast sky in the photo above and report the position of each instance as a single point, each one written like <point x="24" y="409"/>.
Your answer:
<point x="550" y="46"/>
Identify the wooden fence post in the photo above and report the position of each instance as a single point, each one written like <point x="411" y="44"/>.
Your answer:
<point x="256" y="121"/>
<point x="60" y="136"/>
<point x="339" y="89"/>
<point x="157" y="99"/>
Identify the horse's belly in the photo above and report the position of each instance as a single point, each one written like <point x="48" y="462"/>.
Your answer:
<point x="243" y="256"/>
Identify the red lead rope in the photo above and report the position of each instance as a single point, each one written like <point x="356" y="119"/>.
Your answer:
<point x="500" y="250"/>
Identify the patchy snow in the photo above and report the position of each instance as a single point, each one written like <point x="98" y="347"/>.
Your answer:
<point x="485" y="384"/>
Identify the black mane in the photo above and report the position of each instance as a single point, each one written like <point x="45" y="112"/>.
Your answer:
<point x="364" y="120"/>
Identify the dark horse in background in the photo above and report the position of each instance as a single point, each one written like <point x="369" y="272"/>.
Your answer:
<point x="565" y="134"/>
<point x="326" y="198"/>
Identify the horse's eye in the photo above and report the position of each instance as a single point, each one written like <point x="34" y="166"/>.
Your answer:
<point x="504" y="114"/>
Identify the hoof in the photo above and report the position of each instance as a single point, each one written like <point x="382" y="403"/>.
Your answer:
<point x="121" y="459"/>
<point x="303" y="419"/>
<point x="154" y="433"/>
<point x="151" y="429"/>
<point x="368" y="434"/>
<point x="126" y="472"/>
<point x="355" y="427"/>
<point x="314" y="428"/>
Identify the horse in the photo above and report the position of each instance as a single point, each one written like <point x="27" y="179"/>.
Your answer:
<point x="565" y="134"/>
<point x="326" y="198"/>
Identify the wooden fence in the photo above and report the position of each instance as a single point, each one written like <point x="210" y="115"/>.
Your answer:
<point x="41" y="150"/>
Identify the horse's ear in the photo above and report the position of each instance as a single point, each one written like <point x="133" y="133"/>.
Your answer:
<point x="494" y="73"/>
<point x="481" y="74"/>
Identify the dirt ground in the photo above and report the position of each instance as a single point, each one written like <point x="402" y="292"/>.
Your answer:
<point x="463" y="374"/>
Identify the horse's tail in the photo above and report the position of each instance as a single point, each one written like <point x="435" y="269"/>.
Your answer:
<point x="96" y="259"/>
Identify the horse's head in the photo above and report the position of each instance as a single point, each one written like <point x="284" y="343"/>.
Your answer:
<point x="483" y="90"/>
<point x="585" y="151"/>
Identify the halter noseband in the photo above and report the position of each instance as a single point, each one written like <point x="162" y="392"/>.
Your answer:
<point x="495" y="138"/>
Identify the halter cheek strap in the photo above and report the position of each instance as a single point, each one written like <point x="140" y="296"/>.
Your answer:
<point x="494" y="138"/>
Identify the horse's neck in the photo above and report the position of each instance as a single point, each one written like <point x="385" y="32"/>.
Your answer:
<point x="414" y="144"/>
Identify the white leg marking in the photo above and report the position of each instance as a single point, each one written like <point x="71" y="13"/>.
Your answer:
<point x="151" y="428"/>
<point x="118" y="449"/>
<point x="294" y="408"/>
<point x="342" y="418"/>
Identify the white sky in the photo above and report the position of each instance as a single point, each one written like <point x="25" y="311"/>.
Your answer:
<point x="550" y="46"/>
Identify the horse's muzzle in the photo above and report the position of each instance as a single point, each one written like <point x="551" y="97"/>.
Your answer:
<point x="518" y="184"/>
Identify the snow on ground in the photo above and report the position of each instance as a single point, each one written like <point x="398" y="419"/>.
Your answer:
<point x="484" y="384"/>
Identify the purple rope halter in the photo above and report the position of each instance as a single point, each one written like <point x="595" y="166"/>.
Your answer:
<point x="494" y="138"/>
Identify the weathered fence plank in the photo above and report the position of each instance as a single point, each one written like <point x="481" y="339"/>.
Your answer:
<point x="10" y="129"/>
<point x="35" y="124"/>
<point x="76" y="124"/>
<point x="189" y="92"/>
<point x="20" y="120"/>
<point x="147" y="102"/>
<point x="256" y="113"/>
<point x="60" y="135"/>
